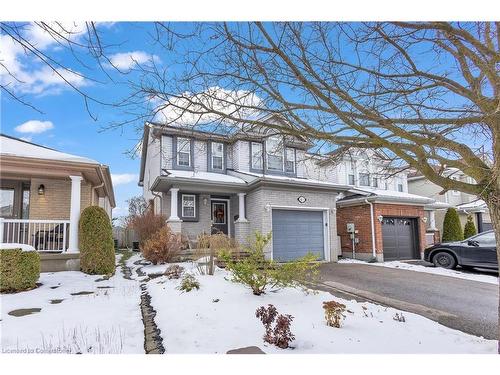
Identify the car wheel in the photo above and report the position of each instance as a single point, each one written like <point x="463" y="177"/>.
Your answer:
<point x="444" y="260"/>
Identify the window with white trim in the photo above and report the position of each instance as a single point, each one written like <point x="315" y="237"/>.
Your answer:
<point x="289" y="160"/>
<point x="183" y="152"/>
<point x="274" y="153"/>
<point x="351" y="179"/>
<point x="188" y="205"/>
<point x="400" y="188"/>
<point x="455" y="192"/>
<point x="375" y="182"/>
<point x="217" y="155"/>
<point x="257" y="156"/>
<point x="364" y="179"/>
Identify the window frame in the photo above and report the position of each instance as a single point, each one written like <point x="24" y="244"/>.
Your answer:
<point x="275" y="154"/>
<point x="195" y="207"/>
<point x="223" y="162"/>
<point x="349" y="175"/>
<point x="294" y="161"/>
<point x="361" y="176"/>
<point x="175" y="151"/>
<point x="398" y="185"/>
<point x="253" y="153"/>
<point x="13" y="206"/>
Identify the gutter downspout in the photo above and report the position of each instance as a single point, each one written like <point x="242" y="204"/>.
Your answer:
<point x="372" y="223"/>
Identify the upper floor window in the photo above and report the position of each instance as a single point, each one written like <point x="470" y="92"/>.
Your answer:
<point x="351" y="179"/>
<point x="257" y="157"/>
<point x="217" y="155"/>
<point x="290" y="160"/>
<point x="188" y="205"/>
<point x="400" y="188"/>
<point x="274" y="153"/>
<point x="364" y="179"/>
<point x="375" y="182"/>
<point x="184" y="152"/>
<point x="455" y="192"/>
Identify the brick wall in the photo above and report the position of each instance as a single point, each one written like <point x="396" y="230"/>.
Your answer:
<point x="360" y="216"/>
<point x="55" y="203"/>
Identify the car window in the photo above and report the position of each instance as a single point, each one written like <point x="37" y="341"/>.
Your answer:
<point x="486" y="239"/>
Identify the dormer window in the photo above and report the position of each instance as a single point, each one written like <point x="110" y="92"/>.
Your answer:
<point x="274" y="153"/>
<point x="257" y="157"/>
<point x="217" y="161"/>
<point x="184" y="152"/>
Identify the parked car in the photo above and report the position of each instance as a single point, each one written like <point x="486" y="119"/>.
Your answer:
<point x="476" y="251"/>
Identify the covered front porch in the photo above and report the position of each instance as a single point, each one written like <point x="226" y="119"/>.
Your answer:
<point x="41" y="212"/>
<point x="193" y="207"/>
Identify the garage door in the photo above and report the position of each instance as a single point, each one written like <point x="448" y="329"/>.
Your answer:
<point x="295" y="233"/>
<point x="399" y="239"/>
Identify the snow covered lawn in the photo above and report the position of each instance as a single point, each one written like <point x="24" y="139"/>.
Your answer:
<point x="221" y="316"/>
<point x="434" y="270"/>
<point x="108" y="320"/>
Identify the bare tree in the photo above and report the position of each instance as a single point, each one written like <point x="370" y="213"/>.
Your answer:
<point x="427" y="94"/>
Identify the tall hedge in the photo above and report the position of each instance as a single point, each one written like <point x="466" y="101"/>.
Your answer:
<point x="452" y="229"/>
<point x="97" y="253"/>
<point x="19" y="270"/>
<point x="470" y="228"/>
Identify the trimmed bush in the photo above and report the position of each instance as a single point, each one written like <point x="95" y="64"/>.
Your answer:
<point x="162" y="247"/>
<point x="97" y="253"/>
<point x="19" y="270"/>
<point x="452" y="229"/>
<point x="470" y="228"/>
<point x="261" y="274"/>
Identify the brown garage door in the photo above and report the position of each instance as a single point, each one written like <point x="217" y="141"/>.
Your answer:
<point x="399" y="237"/>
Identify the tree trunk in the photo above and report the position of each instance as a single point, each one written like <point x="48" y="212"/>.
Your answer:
<point x="494" y="208"/>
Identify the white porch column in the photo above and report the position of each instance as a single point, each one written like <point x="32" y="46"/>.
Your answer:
<point x="173" y="205"/>
<point x="174" y="222"/>
<point x="74" y="215"/>
<point x="241" y="208"/>
<point x="432" y="220"/>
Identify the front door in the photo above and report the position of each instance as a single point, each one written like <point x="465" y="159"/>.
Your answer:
<point x="219" y="217"/>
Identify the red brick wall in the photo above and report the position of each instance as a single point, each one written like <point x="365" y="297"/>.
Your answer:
<point x="360" y="216"/>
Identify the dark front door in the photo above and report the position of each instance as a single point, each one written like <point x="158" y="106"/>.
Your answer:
<point x="219" y="217"/>
<point x="399" y="238"/>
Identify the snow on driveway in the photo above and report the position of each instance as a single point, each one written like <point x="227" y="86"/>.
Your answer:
<point x="106" y="321"/>
<point x="196" y="322"/>
<point x="434" y="270"/>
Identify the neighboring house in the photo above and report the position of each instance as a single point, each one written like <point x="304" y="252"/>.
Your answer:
<point x="43" y="191"/>
<point x="237" y="184"/>
<point x="466" y="204"/>
<point x="378" y="218"/>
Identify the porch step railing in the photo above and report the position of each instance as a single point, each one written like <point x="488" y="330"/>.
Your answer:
<point x="43" y="235"/>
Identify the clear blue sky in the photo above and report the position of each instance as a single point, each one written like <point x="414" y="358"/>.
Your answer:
<point x="71" y="128"/>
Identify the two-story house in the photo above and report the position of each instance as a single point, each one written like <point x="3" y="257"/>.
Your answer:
<point x="466" y="204"/>
<point x="250" y="180"/>
<point x="377" y="218"/>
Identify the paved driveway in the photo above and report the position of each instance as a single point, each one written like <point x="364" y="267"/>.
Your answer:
<point x="469" y="306"/>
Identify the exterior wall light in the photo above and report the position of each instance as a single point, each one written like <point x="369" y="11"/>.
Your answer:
<point x="41" y="189"/>
<point x="205" y="201"/>
<point x="267" y="207"/>
<point x="424" y="219"/>
<point x="380" y="218"/>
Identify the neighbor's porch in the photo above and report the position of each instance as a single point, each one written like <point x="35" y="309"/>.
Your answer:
<point x="42" y="212"/>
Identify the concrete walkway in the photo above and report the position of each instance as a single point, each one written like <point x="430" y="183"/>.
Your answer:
<point x="468" y="306"/>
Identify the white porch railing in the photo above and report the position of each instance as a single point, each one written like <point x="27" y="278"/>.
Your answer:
<point x="43" y="235"/>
